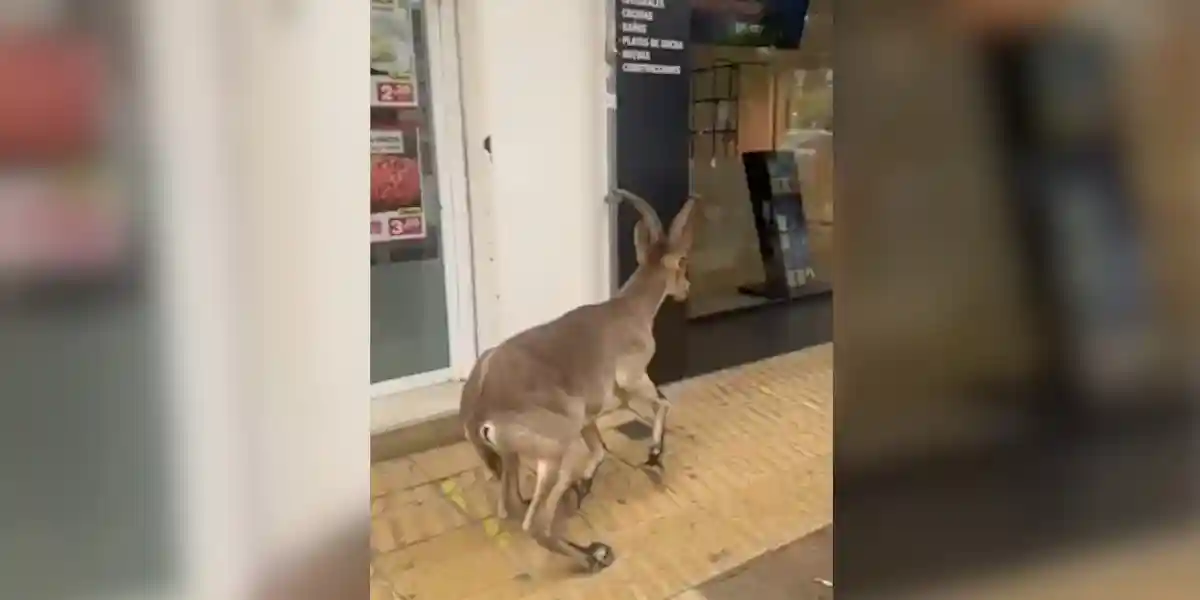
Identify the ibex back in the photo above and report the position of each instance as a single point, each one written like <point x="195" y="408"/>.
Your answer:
<point x="537" y="395"/>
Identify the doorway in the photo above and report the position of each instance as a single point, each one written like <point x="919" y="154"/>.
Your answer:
<point x="422" y="309"/>
<point x="743" y="104"/>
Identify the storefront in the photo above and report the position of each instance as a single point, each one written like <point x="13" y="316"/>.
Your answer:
<point x="732" y="100"/>
<point x="494" y="145"/>
<point x="471" y="244"/>
<point x="422" y="314"/>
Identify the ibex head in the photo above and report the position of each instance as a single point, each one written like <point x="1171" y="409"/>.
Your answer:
<point x="667" y="251"/>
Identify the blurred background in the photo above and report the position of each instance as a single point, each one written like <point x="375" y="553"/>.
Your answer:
<point x="1016" y="332"/>
<point x="169" y="427"/>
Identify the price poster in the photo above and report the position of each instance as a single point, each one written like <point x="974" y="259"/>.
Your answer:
<point x="397" y="210"/>
<point x="393" y="66"/>
<point x="62" y="208"/>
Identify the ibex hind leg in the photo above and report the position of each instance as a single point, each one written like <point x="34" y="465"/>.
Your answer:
<point x="560" y="459"/>
<point x="510" y="501"/>
<point x="546" y="529"/>
<point x="545" y="472"/>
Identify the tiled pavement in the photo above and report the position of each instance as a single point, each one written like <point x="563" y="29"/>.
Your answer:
<point x="749" y="472"/>
<point x="801" y="570"/>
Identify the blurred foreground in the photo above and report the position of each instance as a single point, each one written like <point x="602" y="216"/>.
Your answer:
<point x="1016" y="326"/>
<point x="174" y="423"/>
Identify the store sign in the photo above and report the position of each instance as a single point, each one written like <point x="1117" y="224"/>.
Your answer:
<point x="762" y="23"/>
<point x="649" y="39"/>
<point x="653" y="92"/>
<point x="652" y="128"/>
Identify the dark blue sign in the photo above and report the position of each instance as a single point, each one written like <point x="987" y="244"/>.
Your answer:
<point x="768" y="23"/>
<point x="652" y="129"/>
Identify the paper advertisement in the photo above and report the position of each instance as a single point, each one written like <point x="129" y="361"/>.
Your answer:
<point x="393" y="66"/>
<point x="62" y="208"/>
<point x="397" y="211"/>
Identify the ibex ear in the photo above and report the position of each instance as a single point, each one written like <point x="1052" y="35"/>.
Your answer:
<point x="680" y="237"/>
<point x="642" y="241"/>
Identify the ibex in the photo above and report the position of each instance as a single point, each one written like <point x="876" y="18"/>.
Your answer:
<point x="536" y="396"/>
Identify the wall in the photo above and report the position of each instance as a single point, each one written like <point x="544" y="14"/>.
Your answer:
<point x="257" y="119"/>
<point x="300" y="175"/>
<point x="538" y="226"/>
<point x="533" y="79"/>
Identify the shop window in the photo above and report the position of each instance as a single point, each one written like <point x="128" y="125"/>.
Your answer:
<point x="409" y="316"/>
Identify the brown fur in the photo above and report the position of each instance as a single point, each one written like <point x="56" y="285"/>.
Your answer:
<point x="539" y="392"/>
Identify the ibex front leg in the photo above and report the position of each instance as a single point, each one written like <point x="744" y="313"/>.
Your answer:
<point x="645" y="389"/>
<point x="658" y="441"/>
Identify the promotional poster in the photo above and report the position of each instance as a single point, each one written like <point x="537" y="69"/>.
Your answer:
<point x="397" y="212"/>
<point x="393" y="66"/>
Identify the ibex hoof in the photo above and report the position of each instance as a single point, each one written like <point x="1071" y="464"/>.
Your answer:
<point x="583" y="487"/>
<point x="600" y="557"/>
<point x="655" y="458"/>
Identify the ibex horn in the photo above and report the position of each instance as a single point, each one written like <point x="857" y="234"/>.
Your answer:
<point x="643" y="207"/>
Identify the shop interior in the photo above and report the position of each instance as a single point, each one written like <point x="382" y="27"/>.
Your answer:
<point x="758" y="291"/>
<point x="753" y="100"/>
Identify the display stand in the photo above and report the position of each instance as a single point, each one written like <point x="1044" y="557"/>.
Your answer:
<point x="778" y="209"/>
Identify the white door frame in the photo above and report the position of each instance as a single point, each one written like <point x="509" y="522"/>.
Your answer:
<point x="441" y="37"/>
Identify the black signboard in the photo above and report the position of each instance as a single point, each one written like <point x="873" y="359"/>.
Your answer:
<point x="778" y="208"/>
<point x="770" y="23"/>
<point x="653" y="88"/>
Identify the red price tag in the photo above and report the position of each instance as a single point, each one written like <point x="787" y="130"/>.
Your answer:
<point x="394" y="92"/>
<point x="51" y="96"/>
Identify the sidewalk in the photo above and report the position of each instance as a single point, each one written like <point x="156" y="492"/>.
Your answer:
<point x="749" y="470"/>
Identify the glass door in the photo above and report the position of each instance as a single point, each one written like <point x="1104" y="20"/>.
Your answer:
<point x="419" y="325"/>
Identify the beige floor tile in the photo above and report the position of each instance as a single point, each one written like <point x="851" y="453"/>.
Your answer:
<point x="440" y="463"/>
<point x="418" y="514"/>
<point x="472" y="492"/>
<point x="749" y="469"/>
<point x="395" y="475"/>
<point x="456" y="564"/>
